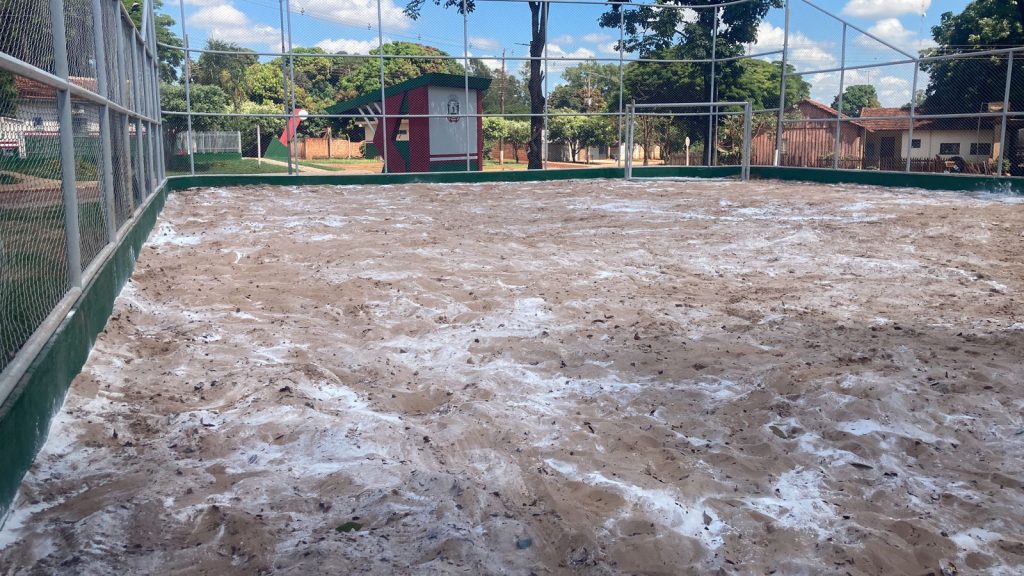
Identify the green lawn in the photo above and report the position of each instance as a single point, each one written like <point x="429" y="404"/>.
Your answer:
<point x="179" y="166"/>
<point x="32" y="256"/>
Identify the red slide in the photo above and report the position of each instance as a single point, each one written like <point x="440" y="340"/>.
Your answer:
<point x="293" y="125"/>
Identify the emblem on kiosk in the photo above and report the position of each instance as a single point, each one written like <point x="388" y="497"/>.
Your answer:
<point x="453" y="109"/>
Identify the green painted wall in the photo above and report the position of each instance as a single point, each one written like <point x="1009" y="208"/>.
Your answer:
<point x="25" y="415"/>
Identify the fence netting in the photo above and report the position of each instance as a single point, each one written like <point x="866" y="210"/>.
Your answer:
<point x="825" y="92"/>
<point x="73" y="139"/>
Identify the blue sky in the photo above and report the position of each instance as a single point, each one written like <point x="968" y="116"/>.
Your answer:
<point x="350" y="25"/>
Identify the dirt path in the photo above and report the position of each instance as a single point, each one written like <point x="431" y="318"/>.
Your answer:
<point x="591" y="378"/>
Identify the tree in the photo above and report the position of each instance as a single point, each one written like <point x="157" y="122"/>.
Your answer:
<point x="578" y="132"/>
<point x="366" y="76"/>
<point x="170" y="59"/>
<point x="963" y="85"/>
<point x="204" y="99"/>
<point x="535" y="80"/>
<point x="856" y="98"/>
<point x="517" y="100"/>
<point x="758" y="83"/>
<point x="225" y="70"/>
<point x="685" y="34"/>
<point x="589" y="87"/>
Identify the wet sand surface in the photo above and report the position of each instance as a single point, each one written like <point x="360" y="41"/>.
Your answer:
<point x="587" y="377"/>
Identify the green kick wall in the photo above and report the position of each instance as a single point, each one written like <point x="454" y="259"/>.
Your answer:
<point x="25" y="416"/>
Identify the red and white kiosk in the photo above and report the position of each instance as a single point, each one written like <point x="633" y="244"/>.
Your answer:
<point x="438" y="144"/>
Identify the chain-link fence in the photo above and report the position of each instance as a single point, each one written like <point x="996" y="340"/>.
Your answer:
<point x="510" y="84"/>
<point x="79" y="103"/>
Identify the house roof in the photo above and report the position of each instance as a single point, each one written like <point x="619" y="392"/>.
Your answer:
<point x="902" y="120"/>
<point x="831" y="111"/>
<point x="28" y="88"/>
<point x="429" y="79"/>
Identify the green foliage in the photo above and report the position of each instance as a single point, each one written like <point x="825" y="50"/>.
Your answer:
<point x="170" y="59"/>
<point x="366" y="76"/>
<point x="517" y="99"/>
<point x="515" y="133"/>
<point x="578" y="131"/>
<point x="967" y="84"/>
<point x="856" y="98"/>
<point x="227" y="71"/>
<point x="757" y="82"/>
<point x="589" y="87"/>
<point x="204" y="99"/>
<point x="650" y="30"/>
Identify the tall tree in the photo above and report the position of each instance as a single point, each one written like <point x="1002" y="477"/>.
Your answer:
<point x="968" y="84"/>
<point x="686" y="32"/>
<point x="535" y="80"/>
<point x="758" y="83"/>
<point x="588" y="87"/>
<point x="366" y="76"/>
<point x="170" y="59"/>
<point x="225" y="67"/>
<point x="856" y="98"/>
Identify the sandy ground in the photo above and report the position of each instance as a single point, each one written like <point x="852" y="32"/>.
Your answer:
<point x="594" y="377"/>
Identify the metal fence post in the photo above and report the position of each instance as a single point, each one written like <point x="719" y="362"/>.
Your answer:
<point x="630" y="127"/>
<point x="839" y="111"/>
<point x="292" y="134"/>
<point x="465" y="77"/>
<point x="780" y="125"/>
<point x="102" y="86"/>
<point x="545" y="150"/>
<point x="72" y="233"/>
<point x="139" y="105"/>
<point x="748" y="117"/>
<point x="1006" y="109"/>
<point x="383" y="122"/>
<point x="622" y="83"/>
<point x="710" y="145"/>
<point x="913" y="111"/>
<point x="188" y="93"/>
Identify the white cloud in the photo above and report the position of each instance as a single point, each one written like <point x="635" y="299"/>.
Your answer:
<point x="225" y="22"/>
<point x="885" y="8"/>
<point x="892" y="31"/>
<point x="563" y="39"/>
<point x="609" y="48"/>
<point x="596" y="38"/>
<point x="804" y="53"/>
<point x="347" y="45"/>
<point x="892" y="90"/>
<point x="360" y="13"/>
<point x="483" y="43"/>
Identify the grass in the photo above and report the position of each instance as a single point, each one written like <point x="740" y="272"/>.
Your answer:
<point x="340" y="164"/>
<point x="8" y="179"/>
<point x="32" y="255"/>
<point x="234" y="166"/>
<point x="49" y="168"/>
<point x="493" y="165"/>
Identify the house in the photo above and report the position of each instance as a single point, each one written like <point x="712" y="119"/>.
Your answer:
<point x="809" y="139"/>
<point x="447" y="141"/>
<point x="970" y="144"/>
<point x="34" y="129"/>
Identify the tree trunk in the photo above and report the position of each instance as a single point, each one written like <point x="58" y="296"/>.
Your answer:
<point x="538" y="37"/>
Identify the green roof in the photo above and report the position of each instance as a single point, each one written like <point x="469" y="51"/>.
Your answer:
<point x="430" y="79"/>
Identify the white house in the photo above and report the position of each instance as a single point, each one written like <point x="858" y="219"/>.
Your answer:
<point x="888" y="140"/>
<point x="35" y="117"/>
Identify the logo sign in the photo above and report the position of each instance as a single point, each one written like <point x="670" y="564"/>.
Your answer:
<point x="453" y="109"/>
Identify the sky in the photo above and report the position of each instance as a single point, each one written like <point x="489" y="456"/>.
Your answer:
<point x="497" y="26"/>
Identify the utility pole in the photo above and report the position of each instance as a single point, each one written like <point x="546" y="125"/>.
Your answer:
<point x="501" y="139"/>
